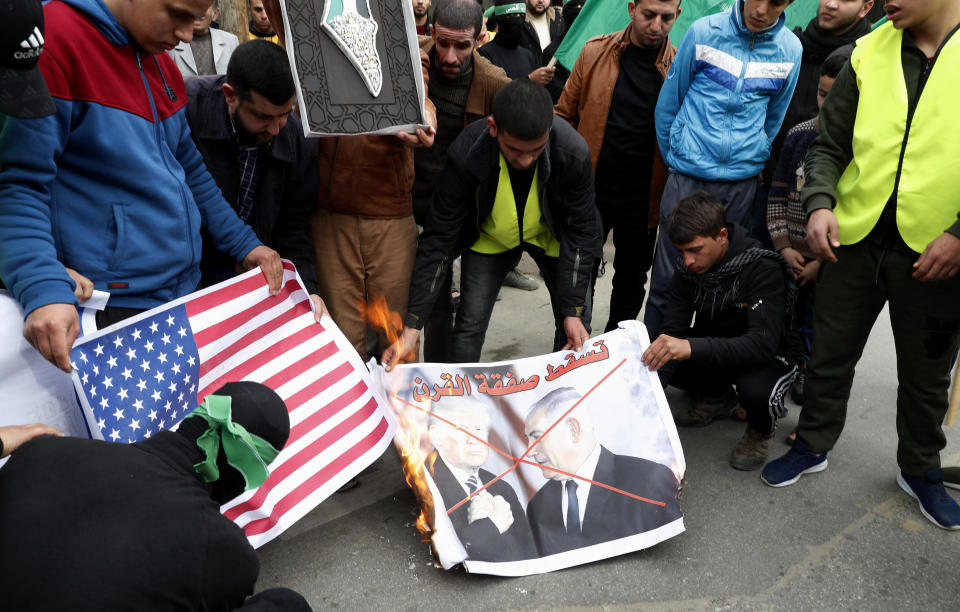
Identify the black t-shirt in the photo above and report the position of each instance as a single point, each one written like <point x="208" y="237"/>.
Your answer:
<point x="626" y="156"/>
<point x="521" y="180"/>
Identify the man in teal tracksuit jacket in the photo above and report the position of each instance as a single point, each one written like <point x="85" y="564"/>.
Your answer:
<point x="719" y="110"/>
<point x="110" y="185"/>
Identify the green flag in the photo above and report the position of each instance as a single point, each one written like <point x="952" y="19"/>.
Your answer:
<point x="606" y="16"/>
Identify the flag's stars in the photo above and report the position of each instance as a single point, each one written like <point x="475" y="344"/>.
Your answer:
<point x="185" y="406"/>
<point x="112" y="362"/>
<point x="142" y="385"/>
<point x="117" y="341"/>
<point x="122" y="394"/>
<point x="173" y="414"/>
<point x="170" y="320"/>
<point x="134" y="424"/>
<point x="93" y="390"/>
<point x="98" y="349"/>
<point x="118" y="413"/>
<point x="104" y="403"/>
<point x="154" y="327"/>
<point x="138" y="404"/>
<point x="186" y="378"/>
<point x="166" y="339"/>
<point x="191" y="361"/>
<point x="156" y="396"/>
<point x="73" y="364"/>
<point x="136" y="334"/>
<point x="131" y="354"/>
<point x="179" y="351"/>
<point x="162" y="425"/>
<point x="101" y="424"/>
<point x="145" y="365"/>
<point x="115" y="435"/>
<point x="96" y="370"/>
<point x="107" y="382"/>
<point x="172" y="386"/>
<point x="182" y="331"/>
<point x="180" y="397"/>
<point x="85" y="378"/>
<point x="175" y="368"/>
<point x="127" y="375"/>
<point x="148" y="433"/>
<point x="153" y="415"/>
<point x="159" y="375"/>
<point x="83" y="357"/>
<point x="162" y="358"/>
<point x="148" y="346"/>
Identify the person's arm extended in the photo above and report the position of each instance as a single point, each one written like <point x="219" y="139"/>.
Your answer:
<point x="675" y="87"/>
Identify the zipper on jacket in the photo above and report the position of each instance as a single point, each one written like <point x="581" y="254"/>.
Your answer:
<point x="172" y="95"/>
<point x="576" y="266"/>
<point x="437" y="275"/>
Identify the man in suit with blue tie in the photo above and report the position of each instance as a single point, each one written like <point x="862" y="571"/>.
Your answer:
<point x="577" y="506"/>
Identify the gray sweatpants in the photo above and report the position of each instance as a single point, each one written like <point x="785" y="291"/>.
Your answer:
<point x="737" y="198"/>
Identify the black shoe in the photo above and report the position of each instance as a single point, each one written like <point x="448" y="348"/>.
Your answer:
<point x="706" y="409"/>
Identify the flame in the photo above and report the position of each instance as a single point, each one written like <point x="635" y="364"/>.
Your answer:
<point x="413" y="459"/>
<point x="376" y="313"/>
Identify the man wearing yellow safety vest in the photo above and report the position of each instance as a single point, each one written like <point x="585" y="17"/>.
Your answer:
<point x="883" y="194"/>
<point x="521" y="181"/>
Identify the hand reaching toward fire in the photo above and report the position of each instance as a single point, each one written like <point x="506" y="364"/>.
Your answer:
<point x="401" y="350"/>
<point x="497" y="509"/>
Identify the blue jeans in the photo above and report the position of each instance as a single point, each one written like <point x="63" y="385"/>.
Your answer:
<point x="480" y="279"/>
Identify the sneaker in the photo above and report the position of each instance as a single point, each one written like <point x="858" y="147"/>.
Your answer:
<point x="706" y="409"/>
<point x="796" y="389"/>
<point x="935" y="504"/>
<point x="788" y="469"/>
<point x="751" y="451"/>
<point x="951" y="477"/>
<point x="516" y="278"/>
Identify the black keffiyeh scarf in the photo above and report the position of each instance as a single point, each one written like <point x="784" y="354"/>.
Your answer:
<point x="721" y="285"/>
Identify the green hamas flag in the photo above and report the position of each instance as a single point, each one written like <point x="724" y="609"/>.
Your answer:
<point x="606" y="16"/>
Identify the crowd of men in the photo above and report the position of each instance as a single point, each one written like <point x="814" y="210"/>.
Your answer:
<point x="127" y="178"/>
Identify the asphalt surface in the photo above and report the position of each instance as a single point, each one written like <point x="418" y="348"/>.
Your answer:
<point x="843" y="539"/>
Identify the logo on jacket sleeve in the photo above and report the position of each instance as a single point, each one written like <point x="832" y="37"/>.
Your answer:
<point x="30" y="46"/>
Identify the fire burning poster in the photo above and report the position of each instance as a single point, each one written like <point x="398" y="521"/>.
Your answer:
<point x="356" y="64"/>
<point x="542" y="463"/>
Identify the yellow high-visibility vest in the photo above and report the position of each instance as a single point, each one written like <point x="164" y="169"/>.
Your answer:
<point x="500" y="232"/>
<point x="928" y="196"/>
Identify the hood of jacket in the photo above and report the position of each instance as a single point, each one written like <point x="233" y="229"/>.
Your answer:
<point x="104" y="20"/>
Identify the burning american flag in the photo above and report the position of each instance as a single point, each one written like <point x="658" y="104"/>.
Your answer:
<point x="148" y="372"/>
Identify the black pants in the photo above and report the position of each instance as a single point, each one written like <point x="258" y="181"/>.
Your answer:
<point x="761" y="388"/>
<point x="633" y="245"/>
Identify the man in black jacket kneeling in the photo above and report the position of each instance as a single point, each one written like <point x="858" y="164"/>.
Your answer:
<point x="741" y="295"/>
<point x="521" y="182"/>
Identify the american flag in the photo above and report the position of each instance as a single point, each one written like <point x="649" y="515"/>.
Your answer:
<point x="146" y="373"/>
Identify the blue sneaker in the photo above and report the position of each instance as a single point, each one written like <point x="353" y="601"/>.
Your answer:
<point x="935" y="504"/>
<point x="788" y="469"/>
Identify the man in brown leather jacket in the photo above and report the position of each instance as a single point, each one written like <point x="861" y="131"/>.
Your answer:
<point x="610" y="98"/>
<point x="363" y="232"/>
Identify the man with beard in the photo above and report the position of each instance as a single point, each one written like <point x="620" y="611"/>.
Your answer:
<point x="541" y="26"/>
<point x="462" y="87"/>
<point x="505" y="50"/>
<point x="253" y="145"/>
<point x="610" y="98"/>
<point x="260" y="26"/>
<point x="421" y="14"/>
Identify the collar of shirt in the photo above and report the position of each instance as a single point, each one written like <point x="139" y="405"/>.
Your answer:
<point x="463" y="475"/>
<point x="585" y="474"/>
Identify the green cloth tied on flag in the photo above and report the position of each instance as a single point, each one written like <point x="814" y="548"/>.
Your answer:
<point x="517" y="8"/>
<point x="247" y="453"/>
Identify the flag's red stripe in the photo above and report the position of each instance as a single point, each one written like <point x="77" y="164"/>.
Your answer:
<point x="242" y="370"/>
<point x="329" y="409"/>
<point x="300" y="366"/>
<point x="304" y="456"/>
<point x="230" y="292"/>
<point x="258" y="333"/>
<point x="225" y="326"/>
<point x="318" y="386"/>
<point x="316" y="481"/>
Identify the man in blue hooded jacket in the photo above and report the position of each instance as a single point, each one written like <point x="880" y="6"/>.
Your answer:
<point x="719" y="110"/>
<point x="111" y="184"/>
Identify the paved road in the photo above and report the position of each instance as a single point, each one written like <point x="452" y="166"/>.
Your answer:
<point x="844" y="539"/>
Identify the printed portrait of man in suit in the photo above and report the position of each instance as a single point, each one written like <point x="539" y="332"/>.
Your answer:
<point x="572" y="509"/>
<point x="492" y="526"/>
